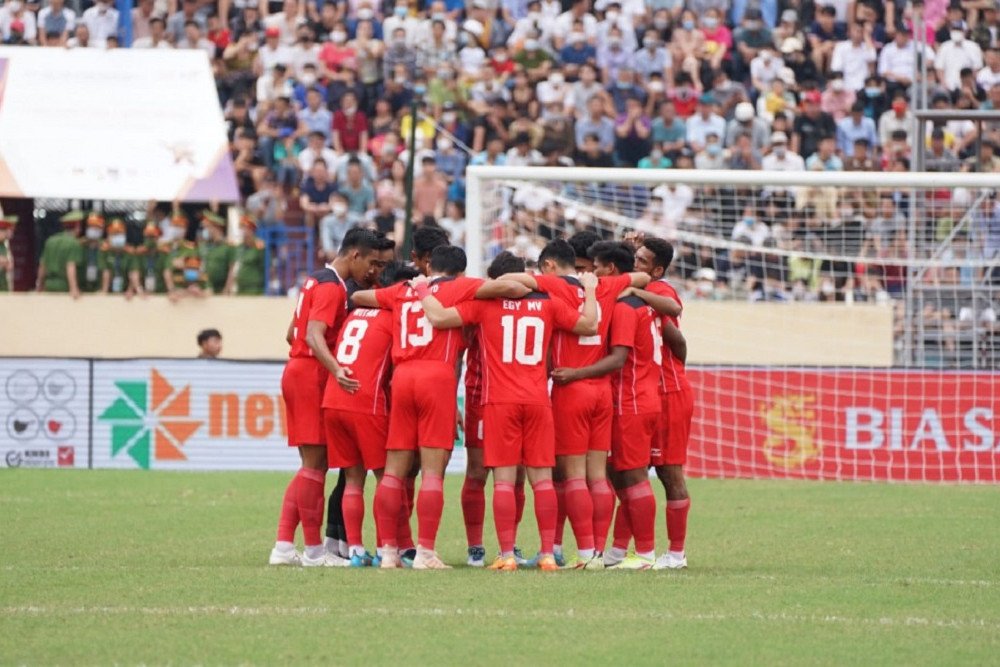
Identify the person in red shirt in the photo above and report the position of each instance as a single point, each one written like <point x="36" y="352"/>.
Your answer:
<point x="421" y="419"/>
<point x="634" y="360"/>
<point x="670" y="454"/>
<point x="582" y="409"/>
<point x="474" y="485"/>
<point x="519" y="430"/>
<point x="357" y="422"/>
<point x="350" y="125"/>
<point x="321" y="308"/>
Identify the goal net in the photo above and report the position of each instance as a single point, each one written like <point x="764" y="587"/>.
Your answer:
<point x="840" y="325"/>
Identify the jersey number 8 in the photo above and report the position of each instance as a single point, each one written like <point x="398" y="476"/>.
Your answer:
<point x="350" y="346"/>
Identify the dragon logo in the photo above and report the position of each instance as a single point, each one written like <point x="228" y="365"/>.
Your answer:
<point x="791" y="430"/>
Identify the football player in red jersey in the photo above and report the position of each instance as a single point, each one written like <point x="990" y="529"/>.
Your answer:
<point x="357" y="422"/>
<point x="474" y="487"/>
<point x="514" y="335"/>
<point x="582" y="409"/>
<point x="321" y="308"/>
<point x="670" y="454"/>
<point x="423" y="419"/>
<point x="336" y="533"/>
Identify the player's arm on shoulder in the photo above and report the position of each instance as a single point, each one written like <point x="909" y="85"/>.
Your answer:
<point x="609" y="364"/>
<point x="502" y="289"/>
<point x="664" y="305"/>
<point x="365" y="298"/>
<point x="675" y="341"/>
<point x="587" y="324"/>
<point x="525" y="279"/>
<point x="435" y="312"/>
<point x="638" y="279"/>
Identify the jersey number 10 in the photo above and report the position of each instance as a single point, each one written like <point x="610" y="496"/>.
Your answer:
<point x="515" y="340"/>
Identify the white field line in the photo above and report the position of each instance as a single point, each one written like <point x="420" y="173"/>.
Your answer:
<point x="437" y="612"/>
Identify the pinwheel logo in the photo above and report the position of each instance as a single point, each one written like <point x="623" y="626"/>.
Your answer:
<point x="150" y="421"/>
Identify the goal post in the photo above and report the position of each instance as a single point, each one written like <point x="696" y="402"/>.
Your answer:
<point x="841" y="325"/>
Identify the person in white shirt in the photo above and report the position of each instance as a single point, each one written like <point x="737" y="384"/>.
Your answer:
<point x="317" y="150"/>
<point x="855" y="58"/>
<point x="553" y="90"/>
<point x="705" y="122"/>
<point x="13" y="10"/>
<point x="535" y="23"/>
<point x="781" y="158"/>
<point x="579" y="11"/>
<point x="273" y="52"/>
<point x="765" y="68"/>
<point x="157" y="38"/>
<point x="193" y="39"/>
<point x="989" y="75"/>
<point x="898" y="60"/>
<point x="102" y="22"/>
<point x="55" y="23"/>
<point x="955" y="55"/>
<point x="291" y="16"/>
<point x="676" y="200"/>
<point x="401" y="19"/>
<point x="438" y="12"/>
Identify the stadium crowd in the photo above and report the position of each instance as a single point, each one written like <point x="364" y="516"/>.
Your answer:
<point x="317" y="99"/>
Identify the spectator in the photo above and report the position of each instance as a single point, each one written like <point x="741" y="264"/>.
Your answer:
<point x="453" y="222"/>
<point x="316" y="118"/>
<point x="356" y="189"/>
<point x="350" y="126"/>
<point x="317" y="191"/>
<point x="897" y="118"/>
<point x="744" y="122"/>
<point x="837" y="99"/>
<point x="429" y="190"/>
<point x="268" y="204"/>
<point x="385" y="216"/>
<point x="743" y="155"/>
<point x="335" y="225"/>
<point x="17" y="23"/>
<point x="938" y="157"/>
<point x="316" y="150"/>
<point x="703" y="123"/>
<point x="955" y="55"/>
<point x="156" y="37"/>
<point x="286" y="22"/>
<point x="305" y="53"/>
<point x="811" y="124"/>
<point x="653" y="58"/>
<point x="591" y="153"/>
<point x="688" y="44"/>
<point x="898" y="61"/>
<point x="854" y="127"/>
<point x="399" y="54"/>
<point x="860" y="157"/>
<point x="712" y="155"/>
<point x="248" y="273"/>
<point x="854" y="57"/>
<point x="193" y="39"/>
<point x="56" y="22"/>
<point x="780" y="158"/>
<point x="450" y="161"/>
<point x="750" y="38"/>
<point x="577" y="51"/>
<point x="751" y="229"/>
<point x="177" y="22"/>
<point x="668" y="130"/>
<point x="825" y="158"/>
<point x="656" y="159"/>
<point x="765" y="68"/>
<point x="209" y="344"/>
<point x="989" y="76"/>
<point x="718" y="39"/>
<point x="824" y="35"/>
<point x="273" y="53"/>
<point x="598" y="124"/>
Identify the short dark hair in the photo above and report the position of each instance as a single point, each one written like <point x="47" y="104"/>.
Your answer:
<point x="359" y="238"/>
<point x="155" y="19"/>
<point x="505" y="262"/>
<point x="207" y="334"/>
<point x="448" y="259"/>
<point x="396" y="272"/>
<point x="559" y="251"/>
<point x="663" y="252"/>
<point x="581" y="242"/>
<point x="621" y="255"/>
<point x="426" y="239"/>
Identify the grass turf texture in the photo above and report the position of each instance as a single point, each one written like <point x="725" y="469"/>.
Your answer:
<point x="104" y="567"/>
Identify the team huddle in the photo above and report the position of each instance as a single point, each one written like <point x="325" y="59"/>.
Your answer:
<point x="597" y="321"/>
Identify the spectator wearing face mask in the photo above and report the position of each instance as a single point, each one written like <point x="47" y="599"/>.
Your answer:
<point x="102" y="22"/>
<point x="17" y="24"/>
<point x="711" y="156"/>
<point x="577" y="51"/>
<point x="335" y="225"/>
<point x="399" y="54"/>
<point x="955" y="55"/>
<point x="855" y="57"/>
<point x="119" y="272"/>
<point x="745" y="122"/>
<point x="401" y="19"/>
<point x="449" y="160"/>
<point x="93" y="239"/>
<point x="56" y="23"/>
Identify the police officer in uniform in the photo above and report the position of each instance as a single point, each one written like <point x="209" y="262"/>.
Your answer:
<point x="7" y="224"/>
<point x="216" y="254"/>
<point x="61" y="258"/>
<point x="119" y="274"/>
<point x="151" y="261"/>
<point x="248" y="275"/>
<point x="93" y="234"/>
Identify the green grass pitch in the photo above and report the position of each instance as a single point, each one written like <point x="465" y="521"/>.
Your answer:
<point x="168" y="568"/>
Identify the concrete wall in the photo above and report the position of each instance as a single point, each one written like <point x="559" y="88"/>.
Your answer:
<point x="254" y="328"/>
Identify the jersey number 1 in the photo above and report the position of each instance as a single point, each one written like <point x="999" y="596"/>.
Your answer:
<point x="515" y="339"/>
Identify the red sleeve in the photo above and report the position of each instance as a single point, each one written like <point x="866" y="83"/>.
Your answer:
<point x="471" y="311"/>
<point x="623" y="326"/>
<point x="328" y="302"/>
<point x="546" y="282"/>
<point x="387" y="296"/>
<point x="613" y="285"/>
<point x="564" y="317"/>
<point x="362" y="121"/>
<point x="463" y="289"/>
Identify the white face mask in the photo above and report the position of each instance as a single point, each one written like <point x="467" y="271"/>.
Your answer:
<point x="94" y="233"/>
<point x="556" y="79"/>
<point x="117" y="241"/>
<point x="444" y="144"/>
<point x="308" y="80"/>
<point x="339" y="208"/>
<point x="365" y="14"/>
<point x="15" y="5"/>
<point x="611" y="15"/>
<point x="338" y="36"/>
<point x="957" y="36"/>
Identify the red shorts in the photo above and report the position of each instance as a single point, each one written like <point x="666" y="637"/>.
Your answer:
<point x="675" y="427"/>
<point x="473" y="426"/>
<point x="423" y="406"/>
<point x="582" y="412"/>
<point x="355" y="438"/>
<point x="632" y="440"/>
<point x="302" y="385"/>
<point x="518" y="434"/>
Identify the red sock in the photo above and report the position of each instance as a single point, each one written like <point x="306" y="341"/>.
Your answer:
<point x="603" y="498"/>
<point x="404" y="531"/>
<point x="519" y="501"/>
<point x="677" y="522"/>
<point x="311" y="499"/>
<point x="474" y="510"/>
<point x="545" y="513"/>
<point x="288" y="520"/>
<point x="378" y="532"/>
<point x="623" y="528"/>
<point x="560" y="488"/>
<point x="353" y="506"/>
<point x="504" y="514"/>
<point x="389" y="501"/>
<point x="642" y="515"/>
<point x="580" y="510"/>
<point x="430" y="503"/>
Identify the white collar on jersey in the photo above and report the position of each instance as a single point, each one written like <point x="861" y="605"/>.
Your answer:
<point x="330" y="266"/>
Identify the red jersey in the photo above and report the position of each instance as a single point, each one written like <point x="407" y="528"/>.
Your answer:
<point x="324" y="299"/>
<point x="674" y="377"/>
<point x="568" y="349"/>
<point x="413" y="337"/>
<point x="364" y="345"/>
<point x="637" y="385"/>
<point x="514" y="335"/>
<point x="473" y="367"/>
